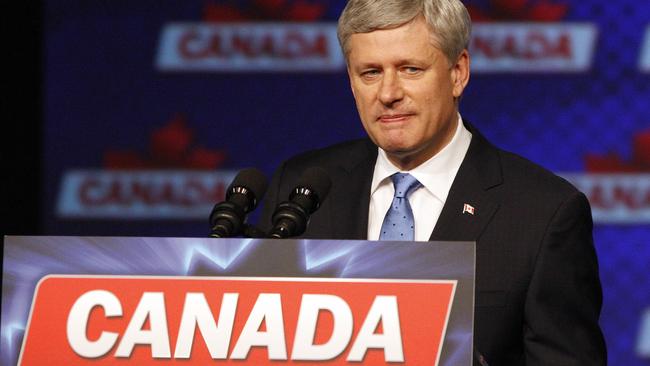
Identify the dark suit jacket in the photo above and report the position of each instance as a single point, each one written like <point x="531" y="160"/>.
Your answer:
<point x="538" y="294"/>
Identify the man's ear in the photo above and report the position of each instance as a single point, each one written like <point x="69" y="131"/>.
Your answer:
<point x="460" y="73"/>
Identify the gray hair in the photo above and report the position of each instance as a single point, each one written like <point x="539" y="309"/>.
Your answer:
<point x="448" y="21"/>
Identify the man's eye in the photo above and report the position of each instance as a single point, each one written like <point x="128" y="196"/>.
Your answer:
<point x="370" y="73"/>
<point x="411" y="70"/>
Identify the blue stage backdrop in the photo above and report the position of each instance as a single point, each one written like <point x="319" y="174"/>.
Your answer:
<point x="152" y="106"/>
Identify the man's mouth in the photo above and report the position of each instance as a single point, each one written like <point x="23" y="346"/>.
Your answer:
<point x="392" y="118"/>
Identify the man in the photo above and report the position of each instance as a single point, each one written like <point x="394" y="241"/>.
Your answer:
<point x="538" y="294"/>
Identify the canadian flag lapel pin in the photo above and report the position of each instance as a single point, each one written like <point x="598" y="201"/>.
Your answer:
<point x="469" y="209"/>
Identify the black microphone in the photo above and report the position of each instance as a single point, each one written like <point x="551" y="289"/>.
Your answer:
<point x="290" y="218"/>
<point x="243" y="194"/>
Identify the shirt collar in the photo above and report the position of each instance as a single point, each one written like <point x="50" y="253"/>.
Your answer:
<point x="436" y="174"/>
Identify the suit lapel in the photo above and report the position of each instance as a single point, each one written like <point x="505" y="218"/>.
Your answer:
<point x="479" y="172"/>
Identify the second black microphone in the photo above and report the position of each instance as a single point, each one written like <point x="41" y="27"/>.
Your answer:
<point x="291" y="217"/>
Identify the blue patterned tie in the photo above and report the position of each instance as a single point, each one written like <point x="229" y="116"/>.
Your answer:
<point x="398" y="223"/>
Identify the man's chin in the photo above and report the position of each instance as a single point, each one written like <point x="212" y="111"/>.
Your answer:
<point x="406" y="157"/>
<point x="400" y="153"/>
<point x="398" y="148"/>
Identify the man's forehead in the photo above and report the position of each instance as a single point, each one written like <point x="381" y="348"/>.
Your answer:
<point x="391" y="44"/>
<point x="413" y="27"/>
<point x="416" y="32"/>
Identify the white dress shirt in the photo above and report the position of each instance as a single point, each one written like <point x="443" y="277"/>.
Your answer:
<point x="436" y="175"/>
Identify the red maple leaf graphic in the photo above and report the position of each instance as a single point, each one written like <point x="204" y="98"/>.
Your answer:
<point x="613" y="163"/>
<point x="519" y="10"/>
<point x="269" y="10"/>
<point x="170" y="148"/>
<point x="170" y="143"/>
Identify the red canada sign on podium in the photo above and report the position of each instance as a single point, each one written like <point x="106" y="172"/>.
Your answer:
<point x="263" y="321"/>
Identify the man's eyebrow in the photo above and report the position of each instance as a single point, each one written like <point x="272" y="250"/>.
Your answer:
<point x="399" y="62"/>
<point x="366" y="65"/>
<point x="413" y="61"/>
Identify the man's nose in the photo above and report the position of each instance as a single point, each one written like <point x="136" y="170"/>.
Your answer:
<point x="390" y="90"/>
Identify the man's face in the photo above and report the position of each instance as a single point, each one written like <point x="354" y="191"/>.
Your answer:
<point x="405" y="91"/>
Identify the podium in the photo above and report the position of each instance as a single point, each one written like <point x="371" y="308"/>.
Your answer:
<point x="146" y="301"/>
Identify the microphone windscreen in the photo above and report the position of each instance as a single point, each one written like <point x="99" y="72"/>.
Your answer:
<point x="252" y="179"/>
<point x="317" y="180"/>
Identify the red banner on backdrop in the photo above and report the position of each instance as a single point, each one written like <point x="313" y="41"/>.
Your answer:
<point x="105" y="320"/>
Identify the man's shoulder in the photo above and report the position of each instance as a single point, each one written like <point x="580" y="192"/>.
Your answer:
<point x="523" y="175"/>
<point x="513" y="172"/>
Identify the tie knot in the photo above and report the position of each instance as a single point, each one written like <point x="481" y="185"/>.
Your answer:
<point x="404" y="183"/>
